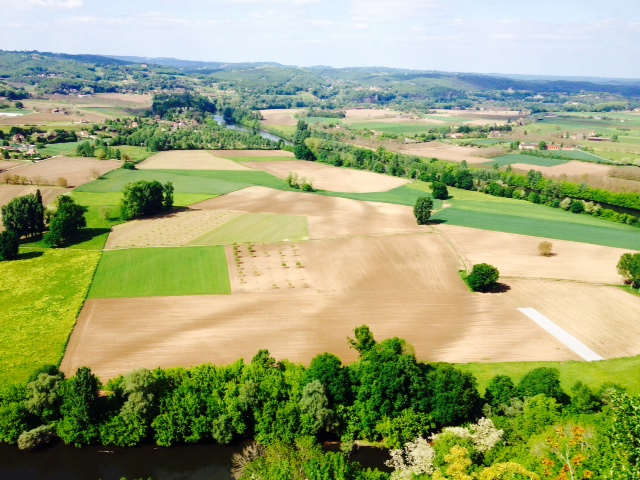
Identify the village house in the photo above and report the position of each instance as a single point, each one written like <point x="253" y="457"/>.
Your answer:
<point x="529" y="146"/>
<point x="553" y="146"/>
<point x="456" y="135"/>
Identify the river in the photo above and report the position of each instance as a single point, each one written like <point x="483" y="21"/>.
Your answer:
<point x="192" y="462"/>
<point x="242" y="128"/>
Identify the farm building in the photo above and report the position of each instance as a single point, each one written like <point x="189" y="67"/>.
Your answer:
<point x="554" y="147"/>
<point x="528" y="146"/>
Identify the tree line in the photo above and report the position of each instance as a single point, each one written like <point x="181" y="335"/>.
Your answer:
<point x="386" y="395"/>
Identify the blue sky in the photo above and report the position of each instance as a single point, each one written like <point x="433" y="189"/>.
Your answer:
<point x="562" y="37"/>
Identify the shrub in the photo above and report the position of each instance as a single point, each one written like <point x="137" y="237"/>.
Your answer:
<point x="439" y="191"/>
<point x="483" y="277"/>
<point x="9" y="245"/>
<point x="577" y="206"/>
<point x="533" y="197"/>
<point x="545" y="248"/>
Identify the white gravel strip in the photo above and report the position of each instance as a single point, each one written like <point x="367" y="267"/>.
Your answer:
<point x="566" y="338"/>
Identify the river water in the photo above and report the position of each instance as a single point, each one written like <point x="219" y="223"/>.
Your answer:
<point x="191" y="462"/>
<point x="242" y="128"/>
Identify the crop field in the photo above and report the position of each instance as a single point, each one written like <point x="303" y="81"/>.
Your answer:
<point x="330" y="178"/>
<point x="209" y="182"/>
<point x="481" y="211"/>
<point x="443" y="151"/>
<point x="510" y="159"/>
<point x="75" y="170"/>
<point x="155" y="272"/>
<point x="38" y="316"/>
<point x="7" y="164"/>
<point x="172" y="230"/>
<point x="517" y="255"/>
<point x="573" y="167"/>
<point x="328" y="217"/>
<point x="404" y="195"/>
<point x="409" y="128"/>
<point x="236" y="154"/>
<point x="256" y="227"/>
<point x="573" y="155"/>
<point x="188" y="160"/>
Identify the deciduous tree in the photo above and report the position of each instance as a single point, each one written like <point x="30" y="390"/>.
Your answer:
<point x="422" y="210"/>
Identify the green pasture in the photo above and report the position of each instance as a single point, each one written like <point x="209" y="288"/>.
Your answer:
<point x="66" y="149"/>
<point x="156" y="272"/>
<point x="41" y="295"/>
<point x="621" y="371"/>
<point x="209" y="182"/>
<point x="258" y="228"/>
<point x="447" y="119"/>
<point x="482" y="211"/>
<point x="396" y="128"/>
<point x="512" y="158"/>
<point x="137" y="154"/>
<point x="114" y="112"/>
<point x="574" y="155"/>
<point x="479" y="142"/>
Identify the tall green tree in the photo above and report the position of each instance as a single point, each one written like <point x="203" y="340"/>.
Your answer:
<point x="24" y="215"/>
<point x="483" y="277"/>
<point x="9" y="245"/>
<point x="422" y="210"/>
<point x="66" y="222"/>
<point x="80" y="409"/>
<point x="146" y="198"/>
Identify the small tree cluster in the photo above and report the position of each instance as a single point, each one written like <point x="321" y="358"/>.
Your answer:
<point x="483" y="277"/>
<point x="146" y="198"/>
<point x="9" y="245"/>
<point x="299" y="183"/>
<point x="439" y="190"/>
<point x="24" y="215"/>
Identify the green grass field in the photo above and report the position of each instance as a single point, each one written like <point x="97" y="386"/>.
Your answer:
<point x="404" y="195"/>
<point x="622" y="371"/>
<point x="322" y="120"/>
<point x="574" y="155"/>
<point x="209" y="182"/>
<point x="512" y="158"/>
<point x="156" y="272"/>
<point x="479" y="210"/>
<point x="66" y="149"/>
<point x="259" y="228"/>
<point x="40" y="297"/>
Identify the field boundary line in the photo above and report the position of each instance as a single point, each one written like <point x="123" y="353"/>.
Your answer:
<point x="465" y="263"/>
<point x="559" y="333"/>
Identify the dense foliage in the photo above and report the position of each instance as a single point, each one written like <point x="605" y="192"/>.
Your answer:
<point x="422" y="210"/>
<point x="483" y="277"/>
<point x="145" y="198"/>
<point x="9" y="245"/>
<point x="24" y="215"/>
<point x="629" y="268"/>
<point x="66" y="221"/>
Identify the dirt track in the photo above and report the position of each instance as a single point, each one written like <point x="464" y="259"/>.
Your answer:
<point x="330" y="178"/>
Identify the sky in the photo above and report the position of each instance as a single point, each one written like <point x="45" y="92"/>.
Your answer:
<point x="599" y="38"/>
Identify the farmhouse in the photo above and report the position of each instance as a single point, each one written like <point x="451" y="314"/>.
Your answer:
<point x="554" y="147"/>
<point x="598" y="139"/>
<point x="457" y="135"/>
<point x="528" y="146"/>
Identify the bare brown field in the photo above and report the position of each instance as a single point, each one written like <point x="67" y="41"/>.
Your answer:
<point x="279" y="118"/>
<point x="330" y="178"/>
<point x="517" y="255"/>
<point x="75" y="170"/>
<point x="230" y="154"/>
<point x="443" y="151"/>
<point x="298" y="325"/>
<point x="573" y="167"/>
<point x="371" y="114"/>
<point x="393" y="263"/>
<point x="47" y="118"/>
<point x="328" y="217"/>
<point x="5" y="165"/>
<point x="172" y="230"/>
<point x="603" y="318"/>
<point x="188" y="160"/>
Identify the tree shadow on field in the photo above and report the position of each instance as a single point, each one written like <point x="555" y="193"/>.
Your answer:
<point x="86" y="234"/>
<point x="29" y="255"/>
<point x="437" y="221"/>
<point x="498" y="288"/>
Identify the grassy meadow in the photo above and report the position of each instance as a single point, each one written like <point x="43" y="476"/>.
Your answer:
<point x="208" y="182"/>
<point x="619" y="371"/>
<point x="158" y="272"/>
<point x="41" y="295"/>
<point x="512" y="158"/>
<point x="257" y="227"/>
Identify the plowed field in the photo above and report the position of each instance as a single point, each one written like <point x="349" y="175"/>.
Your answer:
<point x="333" y="179"/>
<point x="328" y="217"/>
<point x="75" y="170"/>
<point x="188" y="160"/>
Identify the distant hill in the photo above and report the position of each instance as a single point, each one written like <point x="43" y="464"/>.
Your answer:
<point x="195" y="64"/>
